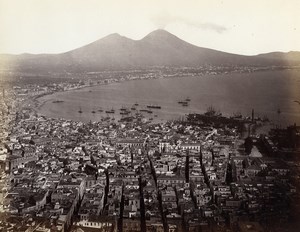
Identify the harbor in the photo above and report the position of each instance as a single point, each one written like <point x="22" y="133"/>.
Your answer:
<point x="167" y="104"/>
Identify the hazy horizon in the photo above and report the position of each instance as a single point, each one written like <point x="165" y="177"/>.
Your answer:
<point x="138" y="40"/>
<point x="246" y="28"/>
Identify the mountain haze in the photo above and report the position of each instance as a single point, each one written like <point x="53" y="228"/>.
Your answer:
<point x="159" y="48"/>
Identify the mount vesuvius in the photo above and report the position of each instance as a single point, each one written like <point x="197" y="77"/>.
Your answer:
<point x="159" y="48"/>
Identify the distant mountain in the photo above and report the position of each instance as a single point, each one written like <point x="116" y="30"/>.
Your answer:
<point x="159" y="48"/>
<point x="288" y="56"/>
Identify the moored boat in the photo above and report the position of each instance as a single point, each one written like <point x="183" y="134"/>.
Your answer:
<point x="154" y="106"/>
<point x="123" y="108"/>
<point x="58" y="101"/>
<point x="185" y="104"/>
<point x="112" y="111"/>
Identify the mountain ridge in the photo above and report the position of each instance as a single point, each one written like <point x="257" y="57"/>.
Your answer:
<point x="158" y="48"/>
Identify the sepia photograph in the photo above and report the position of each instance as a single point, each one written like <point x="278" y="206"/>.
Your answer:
<point x="149" y="115"/>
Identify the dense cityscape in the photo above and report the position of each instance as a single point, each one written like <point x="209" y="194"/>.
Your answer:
<point x="149" y="116"/>
<point x="204" y="172"/>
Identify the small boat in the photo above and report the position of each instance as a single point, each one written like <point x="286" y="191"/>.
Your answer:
<point x="181" y="102"/>
<point x="123" y="108"/>
<point x="187" y="99"/>
<point x="80" y="111"/>
<point x="58" y="101"/>
<point x="185" y="104"/>
<point x="112" y="111"/>
<point x="154" y="106"/>
<point x="93" y="111"/>
<point x="136" y="104"/>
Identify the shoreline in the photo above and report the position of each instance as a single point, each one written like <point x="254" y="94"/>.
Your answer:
<point x="35" y="98"/>
<point x="38" y="104"/>
<point x="38" y="100"/>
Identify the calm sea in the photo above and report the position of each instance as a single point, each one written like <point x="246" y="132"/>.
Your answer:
<point x="265" y="92"/>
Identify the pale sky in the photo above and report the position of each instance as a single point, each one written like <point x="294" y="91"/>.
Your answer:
<point x="238" y="26"/>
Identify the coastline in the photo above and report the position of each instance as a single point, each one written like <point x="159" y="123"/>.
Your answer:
<point x="35" y="98"/>
<point x="38" y="104"/>
<point x="197" y="105"/>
